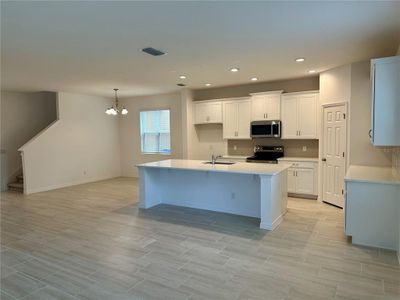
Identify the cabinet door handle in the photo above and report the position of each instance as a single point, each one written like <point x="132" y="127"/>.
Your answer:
<point x="370" y="133"/>
<point x="299" y="132"/>
<point x="266" y="115"/>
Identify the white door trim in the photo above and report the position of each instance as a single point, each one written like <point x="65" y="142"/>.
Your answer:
<point x="321" y="142"/>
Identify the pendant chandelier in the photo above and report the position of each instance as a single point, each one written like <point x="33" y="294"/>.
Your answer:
<point x="114" y="110"/>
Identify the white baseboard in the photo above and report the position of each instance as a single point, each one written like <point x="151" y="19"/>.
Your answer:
<point x="28" y="191"/>
<point x="269" y="226"/>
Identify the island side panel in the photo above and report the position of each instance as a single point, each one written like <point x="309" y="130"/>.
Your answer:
<point x="217" y="191"/>
<point x="149" y="192"/>
<point x="273" y="199"/>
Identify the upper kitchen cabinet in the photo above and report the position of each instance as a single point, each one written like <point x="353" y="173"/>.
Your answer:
<point x="209" y="112"/>
<point x="385" y="75"/>
<point x="236" y="119"/>
<point x="266" y="106"/>
<point x="299" y="115"/>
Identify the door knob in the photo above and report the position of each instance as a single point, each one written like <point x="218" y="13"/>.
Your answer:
<point x="324" y="159"/>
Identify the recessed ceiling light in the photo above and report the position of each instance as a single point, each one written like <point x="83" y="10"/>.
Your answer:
<point x="254" y="79"/>
<point x="234" y="70"/>
<point x="300" y="59"/>
<point x="208" y="84"/>
<point x="182" y="77"/>
<point x="311" y="71"/>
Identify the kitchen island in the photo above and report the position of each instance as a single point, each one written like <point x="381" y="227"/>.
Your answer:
<point x="248" y="189"/>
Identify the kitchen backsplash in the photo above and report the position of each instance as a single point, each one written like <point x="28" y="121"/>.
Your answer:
<point x="293" y="148"/>
<point x="396" y="161"/>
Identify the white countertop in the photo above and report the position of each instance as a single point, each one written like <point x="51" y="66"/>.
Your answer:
<point x="312" y="159"/>
<point x="371" y="174"/>
<point x="199" y="165"/>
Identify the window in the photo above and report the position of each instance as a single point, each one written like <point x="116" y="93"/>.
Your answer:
<point x="155" y="131"/>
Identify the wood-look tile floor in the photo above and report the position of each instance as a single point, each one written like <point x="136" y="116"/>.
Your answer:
<point x="92" y="242"/>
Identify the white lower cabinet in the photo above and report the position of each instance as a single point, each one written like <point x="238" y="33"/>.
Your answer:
<point x="372" y="207"/>
<point x="302" y="176"/>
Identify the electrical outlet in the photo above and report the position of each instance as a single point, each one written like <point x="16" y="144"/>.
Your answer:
<point x="304" y="148"/>
<point x="84" y="172"/>
<point x="211" y="147"/>
<point x="234" y="147"/>
<point x="233" y="195"/>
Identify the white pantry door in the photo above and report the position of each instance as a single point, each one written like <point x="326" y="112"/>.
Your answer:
<point x="334" y="154"/>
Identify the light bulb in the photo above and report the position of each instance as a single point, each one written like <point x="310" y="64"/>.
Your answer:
<point x="108" y="111"/>
<point x="114" y="112"/>
<point x="124" y="111"/>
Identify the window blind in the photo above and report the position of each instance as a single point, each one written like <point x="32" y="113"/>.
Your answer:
<point x="155" y="131"/>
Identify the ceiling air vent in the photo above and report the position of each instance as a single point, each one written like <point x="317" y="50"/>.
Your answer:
<point x="181" y="84"/>
<point x="152" y="51"/>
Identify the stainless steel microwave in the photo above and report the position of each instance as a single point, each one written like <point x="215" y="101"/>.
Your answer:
<point x="265" y="129"/>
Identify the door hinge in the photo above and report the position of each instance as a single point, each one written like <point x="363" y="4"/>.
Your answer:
<point x="344" y="116"/>
<point x="342" y="192"/>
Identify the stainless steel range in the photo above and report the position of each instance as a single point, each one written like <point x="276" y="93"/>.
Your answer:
<point x="266" y="154"/>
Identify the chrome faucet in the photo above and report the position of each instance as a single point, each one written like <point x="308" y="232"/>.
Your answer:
<point x="214" y="158"/>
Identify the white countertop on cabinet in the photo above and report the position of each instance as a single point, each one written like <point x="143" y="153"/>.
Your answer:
<point x="371" y="174"/>
<point x="199" y="165"/>
<point x="288" y="158"/>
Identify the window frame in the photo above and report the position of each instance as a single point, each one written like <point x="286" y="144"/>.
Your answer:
<point x="170" y="131"/>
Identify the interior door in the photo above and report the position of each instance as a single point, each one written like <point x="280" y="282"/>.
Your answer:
<point x="244" y="116"/>
<point x="230" y="122"/>
<point x="334" y="155"/>
<point x="307" y="114"/>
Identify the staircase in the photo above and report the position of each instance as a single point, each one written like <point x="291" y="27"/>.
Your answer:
<point x="17" y="186"/>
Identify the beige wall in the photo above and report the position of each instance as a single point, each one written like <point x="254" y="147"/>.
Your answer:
<point x="335" y="85"/>
<point x="23" y="115"/>
<point x="243" y="90"/>
<point x="82" y="146"/>
<point x="362" y="152"/>
<point x="351" y="83"/>
<point x="129" y="128"/>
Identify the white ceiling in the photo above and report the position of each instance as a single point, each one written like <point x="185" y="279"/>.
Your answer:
<point x="92" y="47"/>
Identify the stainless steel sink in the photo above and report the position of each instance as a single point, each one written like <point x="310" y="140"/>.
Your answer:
<point x="219" y="162"/>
